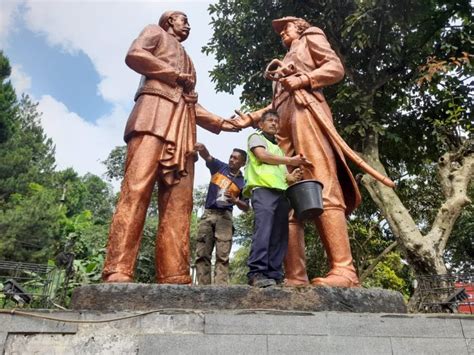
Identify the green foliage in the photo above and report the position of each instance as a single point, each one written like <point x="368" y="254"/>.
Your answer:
<point x="391" y="274"/>
<point x="459" y="255"/>
<point x="30" y="225"/>
<point x="243" y="225"/>
<point x="243" y="230"/>
<point x="28" y="156"/>
<point x="115" y="163"/>
<point x="316" y="261"/>
<point x="8" y="101"/>
<point x="88" y="192"/>
<point x="238" y="266"/>
<point x="199" y="198"/>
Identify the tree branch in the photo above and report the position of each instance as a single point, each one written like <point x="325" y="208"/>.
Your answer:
<point x="377" y="260"/>
<point x="455" y="174"/>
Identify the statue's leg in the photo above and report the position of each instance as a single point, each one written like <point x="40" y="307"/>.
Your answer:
<point x="175" y="205"/>
<point x="204" y="247"/>
<point x="127" y="224"/>
<point x="295" y="260"/>
<point x="223" y="237"/>
<point x="332" y="227"/>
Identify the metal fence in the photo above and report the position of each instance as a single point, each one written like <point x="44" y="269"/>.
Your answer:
<point x="27" y="285"/>
<point x="446" y="293"/>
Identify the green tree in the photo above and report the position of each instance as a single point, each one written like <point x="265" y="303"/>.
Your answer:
<point x="8" y="101"/>
<point x="30" y="214"/>
<point x="88" y="192"/>
<point x="28" y="156"/>
<point x="381" y="108"/>
<point x="115" y="163"/>
<point x="243" y="225"/>
<point x="30" y="225"/>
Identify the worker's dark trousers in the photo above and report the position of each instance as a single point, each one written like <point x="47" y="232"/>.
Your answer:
<point x="270" y="237"/>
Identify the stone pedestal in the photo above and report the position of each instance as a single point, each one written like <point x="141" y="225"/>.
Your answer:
<point x="145" y="297"/>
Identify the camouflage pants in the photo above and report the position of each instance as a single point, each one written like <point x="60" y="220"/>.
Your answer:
<point x="215" y="228"/>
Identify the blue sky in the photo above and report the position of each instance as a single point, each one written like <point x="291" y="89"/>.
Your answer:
<point x="69" y="77"/>
<point x="69" y="56"/>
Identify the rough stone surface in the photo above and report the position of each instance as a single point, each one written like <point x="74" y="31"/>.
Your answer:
<point x="121" y="297"/>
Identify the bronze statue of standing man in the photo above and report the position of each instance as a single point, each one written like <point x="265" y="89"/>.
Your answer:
<point x="311" y="65"/>
<point x="160" y="136"/>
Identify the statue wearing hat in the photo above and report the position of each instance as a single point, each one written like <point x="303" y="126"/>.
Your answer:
<point x="306" y="127"/>
<point x="160" y="135"/>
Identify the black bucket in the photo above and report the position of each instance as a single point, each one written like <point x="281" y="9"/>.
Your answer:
<point x="306" y="198"/>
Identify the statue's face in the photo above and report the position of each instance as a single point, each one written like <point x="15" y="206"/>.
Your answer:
<point x="181" y="27"/>
<point x="289" y="34"/>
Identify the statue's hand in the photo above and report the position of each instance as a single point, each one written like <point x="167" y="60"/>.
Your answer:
<point x="186" y="81"/>
<point x="295" y="82"/>
<point x="230" y="126"/>
<point x="242" y="120"/>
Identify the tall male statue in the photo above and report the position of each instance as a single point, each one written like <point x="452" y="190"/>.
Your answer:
<point x="160" y="136"/>
<point x="311" y="65"/>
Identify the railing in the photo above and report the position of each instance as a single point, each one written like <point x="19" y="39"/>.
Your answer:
<point x="446" y="293"/>
<point x="27" y="284"/>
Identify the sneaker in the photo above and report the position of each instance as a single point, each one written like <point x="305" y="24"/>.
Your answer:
<point x="261" y="281"/>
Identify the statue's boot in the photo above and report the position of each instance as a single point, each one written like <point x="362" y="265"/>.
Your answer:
<point x="117" y="277"/>
<point x="295" y="259"/>
<point x="332" y="227"/>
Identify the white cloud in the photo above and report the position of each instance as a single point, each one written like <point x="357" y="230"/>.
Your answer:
<point x="8" y="10"/>
<point x="20" y="80"/>
<point x="81" y="144"/>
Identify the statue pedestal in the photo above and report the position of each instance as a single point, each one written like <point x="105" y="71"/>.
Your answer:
<point x="145" y="297"/>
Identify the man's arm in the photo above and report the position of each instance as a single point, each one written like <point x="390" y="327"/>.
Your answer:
<point x="241" y="204"/>
<point x="203" y="152"/>
<point x="268" y="158"/>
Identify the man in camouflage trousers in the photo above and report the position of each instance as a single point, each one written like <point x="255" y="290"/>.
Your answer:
<point x="215" y="226"/>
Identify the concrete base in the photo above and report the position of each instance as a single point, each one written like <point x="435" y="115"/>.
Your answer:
<point x="144" y="297"/>
<point x="236" y="332"/>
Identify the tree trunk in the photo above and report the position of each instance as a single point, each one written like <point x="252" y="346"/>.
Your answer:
<point x="418" y="249"/>
<point x="424" y="253"/>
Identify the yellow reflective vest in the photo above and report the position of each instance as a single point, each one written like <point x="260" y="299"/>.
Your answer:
<point x="258" y="174"/>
